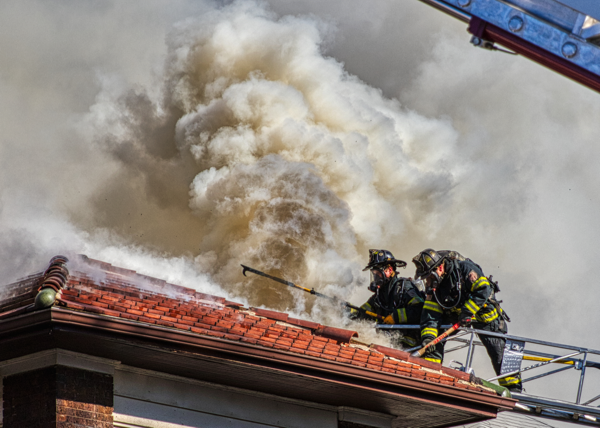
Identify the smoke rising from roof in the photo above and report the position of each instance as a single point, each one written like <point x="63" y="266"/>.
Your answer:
<point x="292" y="137"/>
<point x="293" y="164"/>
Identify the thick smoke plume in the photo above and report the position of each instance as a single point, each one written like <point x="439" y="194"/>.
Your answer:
<point x="294" y="165"/>
<point x="183" y="140"/>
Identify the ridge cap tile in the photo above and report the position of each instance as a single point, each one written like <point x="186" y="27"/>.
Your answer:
<point x="270" y="314"/>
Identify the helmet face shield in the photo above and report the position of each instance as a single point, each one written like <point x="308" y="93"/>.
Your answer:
<point x="420" y="272"/>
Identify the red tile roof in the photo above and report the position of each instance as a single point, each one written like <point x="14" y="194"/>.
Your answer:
<point x="114" y="292"/>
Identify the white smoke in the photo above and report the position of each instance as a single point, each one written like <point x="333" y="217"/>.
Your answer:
<point x="292" y="137"/>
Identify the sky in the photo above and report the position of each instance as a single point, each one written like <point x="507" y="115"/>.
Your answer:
<point x="183" y="138"/>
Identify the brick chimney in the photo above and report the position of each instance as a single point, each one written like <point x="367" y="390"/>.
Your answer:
<point x="58" y="397"/>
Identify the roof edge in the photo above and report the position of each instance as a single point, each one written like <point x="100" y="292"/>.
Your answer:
<point x="113" y="324"/>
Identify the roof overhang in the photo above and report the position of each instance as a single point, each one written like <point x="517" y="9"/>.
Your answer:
<point x="413" y="402"/>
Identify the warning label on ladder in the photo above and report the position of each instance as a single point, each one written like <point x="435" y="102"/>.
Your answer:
<point x="513" y="356"/>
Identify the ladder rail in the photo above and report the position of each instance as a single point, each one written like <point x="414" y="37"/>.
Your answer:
<point x="549" y="408"/>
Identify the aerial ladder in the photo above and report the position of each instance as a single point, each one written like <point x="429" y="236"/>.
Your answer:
<point x="563" y="35"/>
<point x="515" y="352"/>
<point x="532" y="358"/>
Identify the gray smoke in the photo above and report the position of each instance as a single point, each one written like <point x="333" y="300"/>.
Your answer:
<point x="181" y="140"/>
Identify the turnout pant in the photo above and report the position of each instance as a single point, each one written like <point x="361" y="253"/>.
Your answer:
<point x="494" y="347"/>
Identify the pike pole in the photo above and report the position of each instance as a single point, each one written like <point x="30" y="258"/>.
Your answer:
<point x="312" y="291"/>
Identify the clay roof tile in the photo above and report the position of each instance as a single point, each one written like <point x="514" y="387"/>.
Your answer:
<point x="121" y="294"/>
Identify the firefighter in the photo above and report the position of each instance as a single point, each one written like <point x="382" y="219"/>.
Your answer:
<point x="398" y="299"/>
<point x="457" y="291"/>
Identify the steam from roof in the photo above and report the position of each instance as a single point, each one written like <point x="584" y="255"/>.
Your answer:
<point x="248" y="138"/>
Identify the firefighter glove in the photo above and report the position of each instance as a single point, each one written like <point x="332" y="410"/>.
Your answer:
<point x="354" y="314"/>
<point x="389" y="320"/>
<point x="465" y="319"/>
<point x="424" y="343"/>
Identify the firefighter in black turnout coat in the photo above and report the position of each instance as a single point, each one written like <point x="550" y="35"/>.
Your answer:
<point x="457" y="290"/>
<point x="398" y="299"/>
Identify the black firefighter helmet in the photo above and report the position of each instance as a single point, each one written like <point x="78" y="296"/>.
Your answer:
<point x="426" y="261"/>
<point x="382" y="258"/>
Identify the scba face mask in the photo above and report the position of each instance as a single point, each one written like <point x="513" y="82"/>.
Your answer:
<point x="433" y="280"/>
<point x="377" y="279"/>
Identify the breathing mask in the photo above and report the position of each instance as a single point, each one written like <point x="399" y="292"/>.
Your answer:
<point x="432" y="281"/>
<point x="377" y="280"/>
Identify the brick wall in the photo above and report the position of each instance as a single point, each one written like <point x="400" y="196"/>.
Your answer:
<point x="58" y="397"/>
